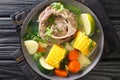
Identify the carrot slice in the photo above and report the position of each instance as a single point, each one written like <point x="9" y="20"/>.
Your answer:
<point x="73" y="55"/>
<point x="41" y="49"/>
<point x="74" y="66"/>
<point x="61" y="73"/>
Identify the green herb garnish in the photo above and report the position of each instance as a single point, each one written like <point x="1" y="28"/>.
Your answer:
<point x="65" y="61"/>
<point x="37" y="38"/>
<point x="63" y="44"/>
<point x="52" y="19"/>
<point x="57" y="6"/>
<point x="31" y="31"/>
<point x="74" y="9"/>
<point x="37" y="55"/>
<point x="48" y="32"/>
<point x="91" y="46"/>
<point x="79" y="22"/>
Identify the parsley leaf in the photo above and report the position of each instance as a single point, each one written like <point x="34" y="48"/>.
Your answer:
<point x="48" y="32"/>
<point x="57" y="6"/>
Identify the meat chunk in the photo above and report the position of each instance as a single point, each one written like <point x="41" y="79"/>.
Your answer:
<point x="64" y="27"/>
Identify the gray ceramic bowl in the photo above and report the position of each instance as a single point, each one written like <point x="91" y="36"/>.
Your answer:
<point x="98" y="37"/>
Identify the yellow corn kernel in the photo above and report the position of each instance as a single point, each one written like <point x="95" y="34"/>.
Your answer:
<point x="83" y="43"/>
<point x="55" y="56"/>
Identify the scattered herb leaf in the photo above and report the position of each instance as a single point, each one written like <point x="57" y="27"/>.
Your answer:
<point x="52" y="19"/>
<point x="31" y="31"/>
<point x="79" y="22"/>
<point x="48" y="32"/>
<point x="63" y="44"/>
<point x="91" y="46"/>
<point x="37" y="55"/>
<point x="76" y="10"/>
<point x="57" y="6"/>
<point x="64" y="61"/>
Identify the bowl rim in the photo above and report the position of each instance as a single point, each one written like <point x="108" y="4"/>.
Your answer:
<point x="28" y="19"/>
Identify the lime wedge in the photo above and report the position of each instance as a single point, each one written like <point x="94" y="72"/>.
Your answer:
<point x="88" y="24"/>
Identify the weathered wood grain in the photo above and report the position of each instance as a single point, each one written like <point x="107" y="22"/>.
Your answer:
<point x="9" y="70"/>
<point x="6" y="22"/>
<point x="7" y="7"/>
<point x="111" y="1"/>
<point x="107" y="69"/>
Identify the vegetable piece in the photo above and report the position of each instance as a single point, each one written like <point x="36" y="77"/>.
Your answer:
<point x="74" y="66"/>
<point x="31" y="31"/>
<point x="76" y="10"/>
<point x="73" y="55"/>
<point x="88" y="23"/>
<point x="37" y="55"/>
<point x="83" y="43"/>
<point x="31" y="46"/>
<point x="44" y="45"/>
<point x="83" y="60"/>
<point x="55" y="56"/>
<point x="68" y="47"/>
<point x="64" y="62"/>
<point x="61" y="73"/>
<point x="44" y="67"/>
<point x="41" y="49"/>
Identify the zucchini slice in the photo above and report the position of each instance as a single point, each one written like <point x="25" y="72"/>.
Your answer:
<point x="44" y="67"/>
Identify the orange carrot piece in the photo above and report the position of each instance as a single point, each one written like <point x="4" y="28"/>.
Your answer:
<point x="41" y="49"/>
<point x="74" y="66"/>
<point x="73" y="55"/>
<point x="61" y="73"/>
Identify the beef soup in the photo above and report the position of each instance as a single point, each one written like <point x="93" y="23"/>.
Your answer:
<point x="61" y="39"/>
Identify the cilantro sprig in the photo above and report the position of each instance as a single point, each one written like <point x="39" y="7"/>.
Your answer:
<point x="58" y="6"/>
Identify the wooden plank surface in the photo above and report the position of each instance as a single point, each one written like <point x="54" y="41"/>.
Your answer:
<point x="107" y="69"/>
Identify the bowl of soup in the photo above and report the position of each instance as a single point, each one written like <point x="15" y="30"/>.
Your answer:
<point x="62" y="39"/>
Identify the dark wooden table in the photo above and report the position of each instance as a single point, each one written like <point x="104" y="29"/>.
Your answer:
<point x="107" y="69"/>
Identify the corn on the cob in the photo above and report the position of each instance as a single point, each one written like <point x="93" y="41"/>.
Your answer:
<point x="84" y="43"/>
<point x="55" y="55"/>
